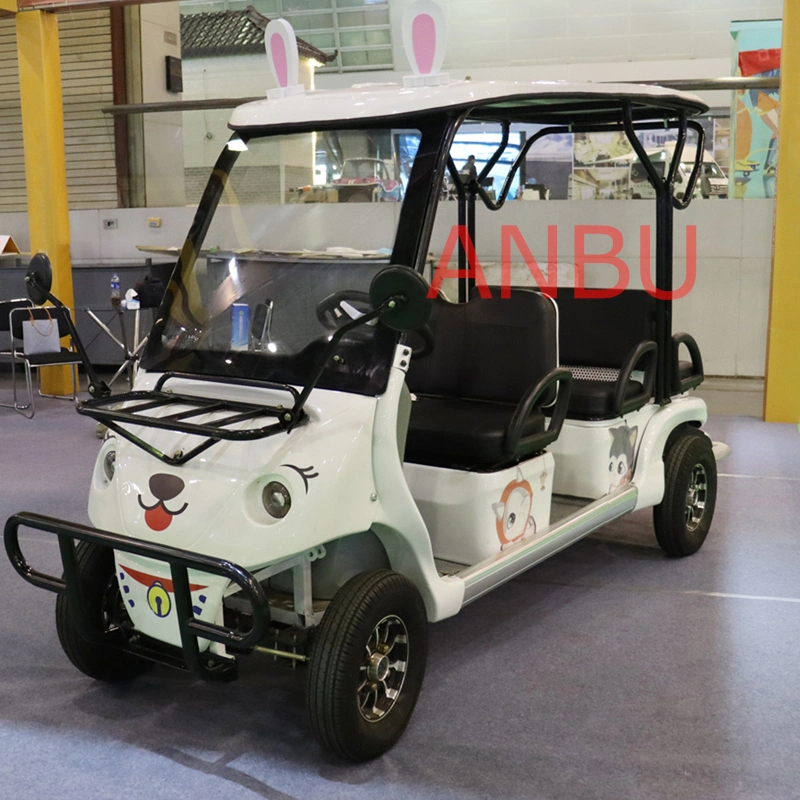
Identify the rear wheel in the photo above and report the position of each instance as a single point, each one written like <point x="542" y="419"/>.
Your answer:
<point x="683" y="518"/>
<point x="367" y="665"/>
<point x="105" y="611"/>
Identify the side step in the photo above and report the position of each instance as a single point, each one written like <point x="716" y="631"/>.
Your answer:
<point x="485" y="576"/>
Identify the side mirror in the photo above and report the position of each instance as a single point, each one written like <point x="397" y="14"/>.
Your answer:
<point x="408" y="291"/>
<point x="39" y="279"/>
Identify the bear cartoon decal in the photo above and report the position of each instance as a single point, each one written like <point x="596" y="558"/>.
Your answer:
<point x="514" y="512"/>
<point x="621" y="456"/>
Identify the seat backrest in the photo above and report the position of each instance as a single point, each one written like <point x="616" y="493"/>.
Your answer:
<point x="488" y="349"/>
<point x="41" y="316"/>
<point x="601" y="332"/>
<point x="6" y="307"/>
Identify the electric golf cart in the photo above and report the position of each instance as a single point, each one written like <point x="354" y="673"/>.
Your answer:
<point x="318" y="458"/>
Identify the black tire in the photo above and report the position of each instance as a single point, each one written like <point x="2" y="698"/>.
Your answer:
<point x="104" y="607"/>
<point x="683" y="517"/>
<point x="342" y="672"/>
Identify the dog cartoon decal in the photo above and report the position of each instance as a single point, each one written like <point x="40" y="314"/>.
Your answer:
<point x="164" y="488"/>
<point x="621" y="456"/>
<point x="514" y="512"/>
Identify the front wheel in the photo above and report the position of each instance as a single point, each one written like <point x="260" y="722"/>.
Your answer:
<point x="683" y="517"/>
<point x="367" y="665"/>
<point x="106" y="613"/>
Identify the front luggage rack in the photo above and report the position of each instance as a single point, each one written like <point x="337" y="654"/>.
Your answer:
<point x="234" y="411"/>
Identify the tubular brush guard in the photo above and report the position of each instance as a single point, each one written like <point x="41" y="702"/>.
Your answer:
<point x="208" y="665"/>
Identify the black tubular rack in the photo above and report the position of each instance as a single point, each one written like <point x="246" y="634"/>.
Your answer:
<point x="138" y="403"/>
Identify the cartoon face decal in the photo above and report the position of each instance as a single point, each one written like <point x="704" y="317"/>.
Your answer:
<point x="159" y="591"/>
<point x="514" y="511"/>
<point x="621" y="456"/>
<point x="306" y="473"/>
<point x="164" y="488"/>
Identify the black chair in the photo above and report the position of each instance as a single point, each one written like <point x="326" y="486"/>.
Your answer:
<point x="603" y="341"/>
<point x="66" y="357"/>
<point x="6" y="342"/>
<point x="6" y="307"/>
<point x="481" y="392"/>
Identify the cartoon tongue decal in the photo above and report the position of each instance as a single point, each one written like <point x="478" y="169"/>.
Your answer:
<point x="164" y="487"/>
<point x="158" y="518"/>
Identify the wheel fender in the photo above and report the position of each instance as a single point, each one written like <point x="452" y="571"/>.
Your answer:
<point x="648" y="475"/>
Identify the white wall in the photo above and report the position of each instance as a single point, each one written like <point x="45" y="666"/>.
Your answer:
<point x="727" y="311"/>
<point x="163" y="132"/>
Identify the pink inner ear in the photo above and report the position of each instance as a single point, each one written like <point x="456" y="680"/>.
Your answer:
<point x="277" y="50"/>
<point x="423" y="38"/>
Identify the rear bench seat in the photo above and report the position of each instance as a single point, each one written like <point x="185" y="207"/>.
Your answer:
<point x="602" y="341"/>
<point x="480" y="392"/>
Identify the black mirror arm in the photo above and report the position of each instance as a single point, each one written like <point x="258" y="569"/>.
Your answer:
<point x="514" y="437"/>
<point x="97" y="388"/>
<point x="643" y="350"/>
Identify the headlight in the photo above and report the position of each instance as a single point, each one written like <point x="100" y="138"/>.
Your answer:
<point x="276" y="499"/>
<point x="110" y="464"/>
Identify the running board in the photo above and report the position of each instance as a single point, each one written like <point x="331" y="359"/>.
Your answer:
<point x="485" y="576"/>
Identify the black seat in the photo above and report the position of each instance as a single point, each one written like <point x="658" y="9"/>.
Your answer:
<point x="602" y="341"/>
<point x="481" y="390"/>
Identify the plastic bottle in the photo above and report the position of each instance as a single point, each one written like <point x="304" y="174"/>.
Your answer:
<point x="115" y="290"/>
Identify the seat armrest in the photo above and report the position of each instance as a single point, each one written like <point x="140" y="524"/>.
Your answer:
<point x="643" y="350"/>
<point x="515" y="442"/>
<point x="696" y="378"/>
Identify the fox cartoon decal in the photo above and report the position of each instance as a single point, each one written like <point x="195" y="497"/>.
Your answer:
<point x="513" y="512"/>
<point x="621" y="455"/>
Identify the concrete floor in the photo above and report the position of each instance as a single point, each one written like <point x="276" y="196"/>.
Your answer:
<point x="609" y="671"/>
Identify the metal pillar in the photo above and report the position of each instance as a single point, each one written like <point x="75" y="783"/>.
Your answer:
<point x="782" y="385"/>
<point x="45" y="170"/>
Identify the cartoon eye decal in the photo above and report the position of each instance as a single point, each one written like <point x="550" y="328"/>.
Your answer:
<point x="621" y="468"/>
<point x="511" y="520"/>
<point x="610" y="466"/>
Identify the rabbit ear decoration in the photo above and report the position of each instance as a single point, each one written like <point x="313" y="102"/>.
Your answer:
<point x="424" y="40"/>
<point x="281" y="46"/>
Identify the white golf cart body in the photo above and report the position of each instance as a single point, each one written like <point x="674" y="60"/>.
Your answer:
<point x="355" y="505"/>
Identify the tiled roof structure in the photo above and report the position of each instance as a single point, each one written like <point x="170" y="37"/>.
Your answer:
<point x="226" y="33"/>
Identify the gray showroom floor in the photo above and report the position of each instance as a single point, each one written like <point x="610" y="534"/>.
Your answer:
<point x="608" y="672"/>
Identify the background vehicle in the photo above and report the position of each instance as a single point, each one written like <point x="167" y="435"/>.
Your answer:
<point x="366" y="180"/>
<point x="711" y="183"/>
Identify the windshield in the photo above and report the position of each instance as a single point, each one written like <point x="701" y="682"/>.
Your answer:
<point x="279" y="257"/>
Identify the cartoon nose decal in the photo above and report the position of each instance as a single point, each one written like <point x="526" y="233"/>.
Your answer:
<point x="163" y="487"/>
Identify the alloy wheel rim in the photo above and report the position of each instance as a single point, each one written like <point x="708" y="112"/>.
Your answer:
<point x="383" y="670"/>
<point x="696" y="496"/>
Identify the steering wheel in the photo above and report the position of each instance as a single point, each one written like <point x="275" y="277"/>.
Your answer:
<point x="349" y="304"/>
<point x="341" y="307"/>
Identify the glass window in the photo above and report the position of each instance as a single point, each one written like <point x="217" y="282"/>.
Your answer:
<point x="286" y="259"/>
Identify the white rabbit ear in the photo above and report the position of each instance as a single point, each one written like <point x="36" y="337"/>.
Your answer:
<point x="424" y="41"/>
<point x="499" y="509"/>
<point x="281" y="46"/>
<point x="520" y="476"/>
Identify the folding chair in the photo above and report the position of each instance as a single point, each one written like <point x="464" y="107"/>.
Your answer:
<point x="67" y="356"/>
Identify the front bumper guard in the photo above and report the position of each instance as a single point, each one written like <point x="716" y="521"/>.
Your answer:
<point x="207" y="665"/>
